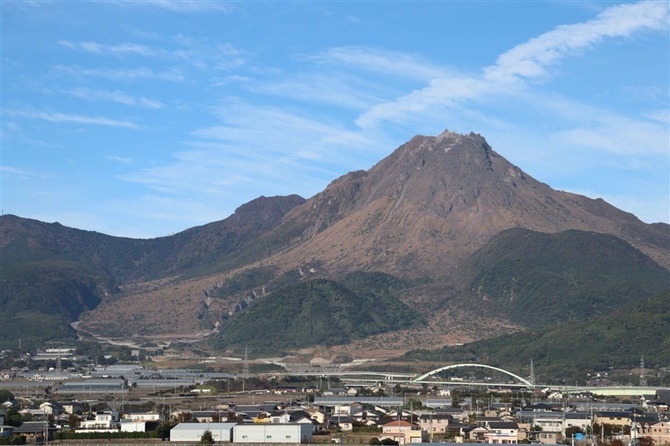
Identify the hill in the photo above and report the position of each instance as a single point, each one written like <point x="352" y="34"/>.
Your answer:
<point x="566" y="351"/>
<point x="321" y="312"/>
<point x="536" y="279"/>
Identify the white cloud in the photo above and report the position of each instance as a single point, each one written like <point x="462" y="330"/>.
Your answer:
<point x="527" y="61"/>
<point x="114" y="96"/>
<point x="261" y="150"/>
<point x="119" y="159"/>
<point x="124" y="74"/>
<point x="184" y="5"/>
<point x="383" y="62"/>
<point x="98" y="48"/>
<point x="9" y="171"/>
<point x="65" y="117"/>
<point x="197" y="53"/>
<point x="618" y="134"/>
<point x="531" y="59"/>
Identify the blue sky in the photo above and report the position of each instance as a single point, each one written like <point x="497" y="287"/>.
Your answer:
<point x="143" y="119"/>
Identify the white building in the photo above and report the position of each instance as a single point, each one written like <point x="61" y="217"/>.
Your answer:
<point x="193" y="432"/>
<point x="272" y="433"/>
<point x="143" y="416"/>
<point x="104" y="421"/>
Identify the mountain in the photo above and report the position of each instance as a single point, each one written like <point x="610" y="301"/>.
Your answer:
<point x="445" y="216"/>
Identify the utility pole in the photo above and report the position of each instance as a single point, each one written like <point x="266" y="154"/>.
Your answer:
<point x="532" y="373"/>
<point x="245" y="367"/>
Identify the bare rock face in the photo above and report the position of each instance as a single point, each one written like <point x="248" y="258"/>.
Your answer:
<point x="435" y="200"/>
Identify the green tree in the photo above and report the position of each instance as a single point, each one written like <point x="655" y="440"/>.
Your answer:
<point x="572" y="430"/>
<point x="163" y="430"/>
<point x="207" y="437"/>
<point x="13" y="418"/>
<point x="455" y="399"/>
<point x="6" y="395"/>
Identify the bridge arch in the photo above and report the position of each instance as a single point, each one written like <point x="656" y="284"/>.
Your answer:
<point x="483" y="366"/>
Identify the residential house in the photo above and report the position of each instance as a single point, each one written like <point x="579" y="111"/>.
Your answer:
<point x="544" y="437"/>
<point x="51" y="408"/>
<point x="612" y="418"/>
<point x="6" y="431"/>
<point x="367" y="417"/>
<point x="579" y="420"/>
<point x="475" y="433"/>
<point x="456" y="413"/>
<point x="345" y="424"/>
<point x="140" y="421"/>
<point x="348" y="409"/>
<point x="104" y="421"/>
<point x="317" y="415"/>
<point x="434" y="423"/>
<point x="659" y="432"/>
<point x="143" y="416"/>
<point x="402" y="431"/>
<point x="34" y="414"/>
<point x="207" y="416"/>
<point x="502" y="433"/>
<point x="34" y="431"/>
<point x="662" y="400"/>
<point x="72" y="407"/>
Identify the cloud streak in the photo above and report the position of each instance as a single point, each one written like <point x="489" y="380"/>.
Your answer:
<point x="531" y="59"/>
<point x="114" y="96"/>
<point x="514" y="68"/>
<point x="71" y="118"/>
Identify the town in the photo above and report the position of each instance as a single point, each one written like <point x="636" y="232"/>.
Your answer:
<point x="63" y="398"/>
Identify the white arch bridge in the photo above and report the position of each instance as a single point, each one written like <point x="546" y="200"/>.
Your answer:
<point x="424" y="378"/>
<point x="366" y="378"/>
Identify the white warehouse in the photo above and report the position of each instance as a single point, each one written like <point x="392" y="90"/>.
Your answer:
<point x="272" y="433"/>
<point x="192" y="432"/>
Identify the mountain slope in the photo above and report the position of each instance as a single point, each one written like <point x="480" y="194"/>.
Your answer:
<point x="52" y="274"/>
<point x="537" y="279"/>
<point x="434" y="201"/>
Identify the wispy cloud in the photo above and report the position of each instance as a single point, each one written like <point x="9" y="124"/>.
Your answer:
<point x="531" y="59"/>
<point x="123" y="74"/>
<point x="71" y="118"/>
<point x="98" y="48"/>
<point x="114" y="96"/>
<point x="119" y="159"/>
<point x="177" y="49"/>
<point x="181" y="5"/>
<point x="384" y="62"/>
<point x="514" y="68"/>
<point x="256" y="147"/>
<point x="15" y="172"/>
